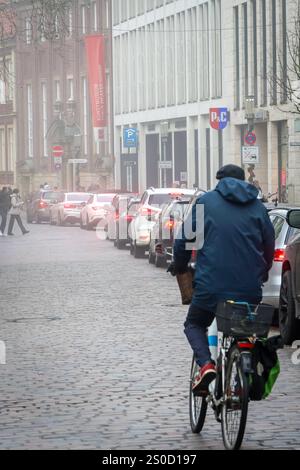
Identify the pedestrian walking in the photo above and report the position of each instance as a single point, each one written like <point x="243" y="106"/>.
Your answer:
<point x="4" y="208"/>
<point x="15" y="213"/>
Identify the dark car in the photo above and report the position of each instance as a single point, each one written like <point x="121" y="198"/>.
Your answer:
<point x="162" y="233"/>
<point x="118" y="205"/>
<point x="289" y="303"/>
<point x="124" y="216"/>
<point x="39" y="204"/>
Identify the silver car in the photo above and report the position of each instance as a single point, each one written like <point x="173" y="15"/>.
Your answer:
<point x="68" y="208"/>
<point x="283" y="233"/>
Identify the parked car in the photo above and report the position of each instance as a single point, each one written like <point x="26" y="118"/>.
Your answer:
<point x="123" y="220"/>
<point x="119" y="204"/>
<point x="283" y="234"/>
<point x="289" y="305"/>
<point x="95" y="210"/>
<point x="152" y="203"/>
<point x="68" y="208"/>
<point x="162" y="233"/>
<point x="39" y="204"/>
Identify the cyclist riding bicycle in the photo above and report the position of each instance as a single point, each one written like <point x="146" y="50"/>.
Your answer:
<point x="233" y="262"/>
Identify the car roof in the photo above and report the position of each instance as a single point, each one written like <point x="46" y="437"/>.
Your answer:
<point x="179" y="191"/>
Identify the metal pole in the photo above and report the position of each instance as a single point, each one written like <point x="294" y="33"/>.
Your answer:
<point x="165" y="159"/>
<point x="74" y="177"/>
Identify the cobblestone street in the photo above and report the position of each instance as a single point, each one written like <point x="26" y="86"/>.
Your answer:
<point x="97" y="358"/>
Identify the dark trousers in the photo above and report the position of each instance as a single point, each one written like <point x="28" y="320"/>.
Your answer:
<point x="195" y="329"/>
<point x="18" y="220"/>
<point x="3" y="214"/>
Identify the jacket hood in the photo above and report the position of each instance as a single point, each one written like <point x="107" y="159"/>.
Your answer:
<point x="237" y="191"/>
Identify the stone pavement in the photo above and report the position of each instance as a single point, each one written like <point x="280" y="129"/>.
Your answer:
<point x="97" y="358"/>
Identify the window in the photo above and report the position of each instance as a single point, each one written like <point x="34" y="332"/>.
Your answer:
<point x="45" y="118"/>
<point x="95" y="16"/>
<point x="83" y="19"/>
<point x="2" y="150"/>
<point x="245" y="49"/>
<point x="2" y="89"/>
<point x="237" y="57"/>
<point x="28" y="31"/>
<point x="264" y="53"/>
<point x="254" y="38"/>
<point x="57" y="90"/>
<point x="70" y="23"/>
<point x="284" y="53"/>
<point x="10" y="148"/>
<point x="70" y="89"/>
<point x="85" y="116"/>
<point x="274" y="54"/>
<point x="29" y="122"/>
<point x="181" y="59"/>
<point x="204" y="52"/>
<point x="278" y="223"/>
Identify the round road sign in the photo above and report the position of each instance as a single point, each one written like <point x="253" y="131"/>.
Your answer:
<point x="250" y="138"/>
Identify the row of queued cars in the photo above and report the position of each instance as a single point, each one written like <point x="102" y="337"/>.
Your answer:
<point x="152" y="219"/>
<point x="146" y="224"/>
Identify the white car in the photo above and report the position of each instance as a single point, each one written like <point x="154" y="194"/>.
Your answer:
<point x="95" y="210"/>
<point x="152" y="203"/>
<point x="68" y="208"/>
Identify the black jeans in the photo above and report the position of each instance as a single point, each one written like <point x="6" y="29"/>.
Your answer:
<point x="3" y="214"/>
<point x="195" y="329"/>
<point x="12" y="221"/>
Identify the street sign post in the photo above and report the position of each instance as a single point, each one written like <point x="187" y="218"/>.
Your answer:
<point x="250" y="138"/>
<point x="57" y="151"/>
<point x="250" y="155"/>
<point x="165" y="165"/>
<point x="130" y="138"/>
<point x="77" y="161"/>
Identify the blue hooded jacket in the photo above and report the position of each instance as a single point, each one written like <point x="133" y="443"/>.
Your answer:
<point x="238" y="247"/>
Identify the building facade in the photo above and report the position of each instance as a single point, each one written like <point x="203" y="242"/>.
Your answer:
<point x="54" y="105"/>
<point x="174" y="60"/>
<point x="7" y="111"/>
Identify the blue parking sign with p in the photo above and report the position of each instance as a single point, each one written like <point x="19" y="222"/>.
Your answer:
<point x="130" y="137"/>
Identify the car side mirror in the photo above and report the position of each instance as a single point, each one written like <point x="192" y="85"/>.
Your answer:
<point x="293" y="218"/>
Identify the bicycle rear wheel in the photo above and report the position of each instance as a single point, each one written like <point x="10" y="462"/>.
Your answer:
<point x="235" y="407"/>
<point x="198" y="405"/>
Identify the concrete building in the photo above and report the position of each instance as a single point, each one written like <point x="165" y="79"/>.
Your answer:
<point x="174" y="60"/>
<point x="54" y="105"/>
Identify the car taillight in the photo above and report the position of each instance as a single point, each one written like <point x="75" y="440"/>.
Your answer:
<point x="70" y="206"/>
<point x="42" y="205"/>
<point x="170" y="224"/>
<point x="129" y="218"/>
<point x="279" y="254"/>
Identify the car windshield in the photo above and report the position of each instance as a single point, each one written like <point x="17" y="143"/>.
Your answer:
<point x="162" y="199"/>
<point x="50" y="195"/>
<point x="105" y="198"/>
<point x="176" y="209"/>
<point x="78" y="197"/>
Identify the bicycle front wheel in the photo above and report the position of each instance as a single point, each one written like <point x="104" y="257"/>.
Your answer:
<point x="236" y="399"/>
<point x="198" y="405"/>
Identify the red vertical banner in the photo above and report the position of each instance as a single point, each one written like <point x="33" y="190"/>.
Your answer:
<point x="95" y="52"/>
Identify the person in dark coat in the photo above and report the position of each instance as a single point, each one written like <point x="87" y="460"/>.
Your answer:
<point x="232" y="264"/>
<point x="4" y="208"/>
<point x="15" y="213"/>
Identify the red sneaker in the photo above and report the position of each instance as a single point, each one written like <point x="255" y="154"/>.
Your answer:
<point x="202" y="380"/>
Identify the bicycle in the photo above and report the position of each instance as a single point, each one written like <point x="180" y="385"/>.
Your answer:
<point x="240" y="327"/>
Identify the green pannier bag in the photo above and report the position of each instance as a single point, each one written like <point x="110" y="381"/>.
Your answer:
<point x="266" y="367"/>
